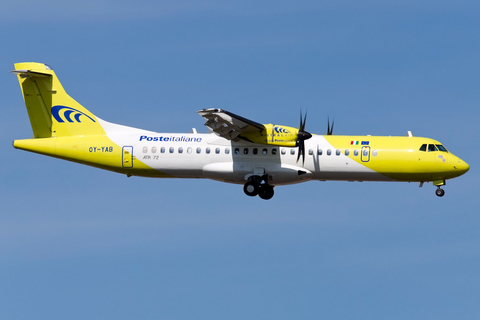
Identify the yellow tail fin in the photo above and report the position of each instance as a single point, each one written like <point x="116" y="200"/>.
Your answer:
<point x="52" y="112"/>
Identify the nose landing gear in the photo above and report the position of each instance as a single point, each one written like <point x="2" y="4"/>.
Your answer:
<point x="439" y="183"/>
<point x="254" y="186"/>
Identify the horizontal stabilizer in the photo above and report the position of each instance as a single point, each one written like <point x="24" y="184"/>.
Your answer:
<point x="30" y="74"/>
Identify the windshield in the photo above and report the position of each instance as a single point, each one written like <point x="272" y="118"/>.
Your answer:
<point x="432" y="148"/>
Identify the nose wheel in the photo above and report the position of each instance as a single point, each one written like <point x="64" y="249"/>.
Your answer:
<point x="440" y="192"/>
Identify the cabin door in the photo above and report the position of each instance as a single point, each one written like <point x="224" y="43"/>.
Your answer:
<point x="365" y="155"/>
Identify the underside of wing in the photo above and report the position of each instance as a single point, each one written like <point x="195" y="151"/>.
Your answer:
<point x="229" y="125"/>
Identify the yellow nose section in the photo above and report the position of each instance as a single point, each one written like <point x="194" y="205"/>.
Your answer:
<point x="459" y="165"/>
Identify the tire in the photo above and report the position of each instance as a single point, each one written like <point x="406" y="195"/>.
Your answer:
<point x="440" y="192"/>
<point x="251" y="189"/>
<point x="266" y="192"/>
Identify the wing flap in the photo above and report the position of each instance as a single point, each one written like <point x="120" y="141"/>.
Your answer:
<point x="228" y="125"/>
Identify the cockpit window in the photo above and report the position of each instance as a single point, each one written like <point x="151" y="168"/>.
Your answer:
<point x="423" y="147"/>
<point x="441" y="148"/>
<point x="431" y="147"/>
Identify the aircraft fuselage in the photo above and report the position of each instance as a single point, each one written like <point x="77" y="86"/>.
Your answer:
<point x="192" y="155"/>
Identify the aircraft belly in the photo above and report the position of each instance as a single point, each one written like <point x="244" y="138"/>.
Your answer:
<point x="344" y="168"/>
<point x="238" y="172"/>
<point x="178" y="169"/>
<point x="352" y="176"/>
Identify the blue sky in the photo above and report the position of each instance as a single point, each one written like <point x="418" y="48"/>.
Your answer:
<point x="77" y="242"/>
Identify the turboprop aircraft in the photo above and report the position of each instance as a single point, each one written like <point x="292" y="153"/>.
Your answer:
<point x="237" y="150"/>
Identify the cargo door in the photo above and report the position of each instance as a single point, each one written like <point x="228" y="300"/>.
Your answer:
<point x="127" y="157"/>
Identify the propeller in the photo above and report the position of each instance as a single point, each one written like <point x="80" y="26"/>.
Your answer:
<point x="330" y="129"/>
<point x="302" y="135"/>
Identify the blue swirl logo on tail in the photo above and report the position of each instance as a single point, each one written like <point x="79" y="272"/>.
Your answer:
<point x="68" y="114"/>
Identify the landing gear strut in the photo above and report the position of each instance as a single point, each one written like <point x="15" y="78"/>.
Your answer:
<point x="254" y="186"/>
<point x="440" y="192"/>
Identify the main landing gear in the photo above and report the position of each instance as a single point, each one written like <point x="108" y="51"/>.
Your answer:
<point x="440" y="192"/>
<point x="254" y="186"/>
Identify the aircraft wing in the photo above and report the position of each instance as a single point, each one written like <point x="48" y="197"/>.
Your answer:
<point x="229" y="125"/>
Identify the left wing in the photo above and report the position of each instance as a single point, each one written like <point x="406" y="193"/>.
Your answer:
<point x="229" y="125"/>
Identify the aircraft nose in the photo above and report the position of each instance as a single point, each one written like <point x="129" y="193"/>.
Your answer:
<point x="461" y="166"/>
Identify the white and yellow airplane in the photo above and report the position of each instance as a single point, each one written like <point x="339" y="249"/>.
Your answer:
<point x="237" y="150"/>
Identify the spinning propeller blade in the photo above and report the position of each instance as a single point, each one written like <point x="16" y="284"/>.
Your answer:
<point x="330" y="129"/>
<point x="301" y="137"/>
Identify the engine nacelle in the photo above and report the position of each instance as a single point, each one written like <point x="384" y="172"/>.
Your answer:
<point x="273" y="135"/>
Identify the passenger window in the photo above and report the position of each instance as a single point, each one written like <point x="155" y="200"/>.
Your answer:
<point x="245" y="150"/>
<point x="274" y="151"/>
<point x="338" y="152"/>
<point x="355" y="153"/>
<point x="431" y="148"/>
<point x="347" y="152"/>
<point x="217" y="150"/>
<point x="310" y="152"/>
<point x="237" y="151"/>
<point x="423" y="147"/>
<point x="154" y="149"/>
<point x="365" y="152"/>
<point x="180" y="150"/>
<point x="189" y="150"/>
<point x="171" y="150"/>
<point x="145" y="149"/>
<point x="264" y="151"/>
<point x="320" y="152"/>
<point x="162" y="150"/>
<point x="329" y="152"/>
<point x="255" y="150"/>
<point x="441" y="148"/>
<point x="292" y="151"/>
<point x="199" y="150"/>
<point x="374" y="153"/>
<point x="227" y="150"/>
<point x="283" y="151"/>
<point x="207" y="151"/>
